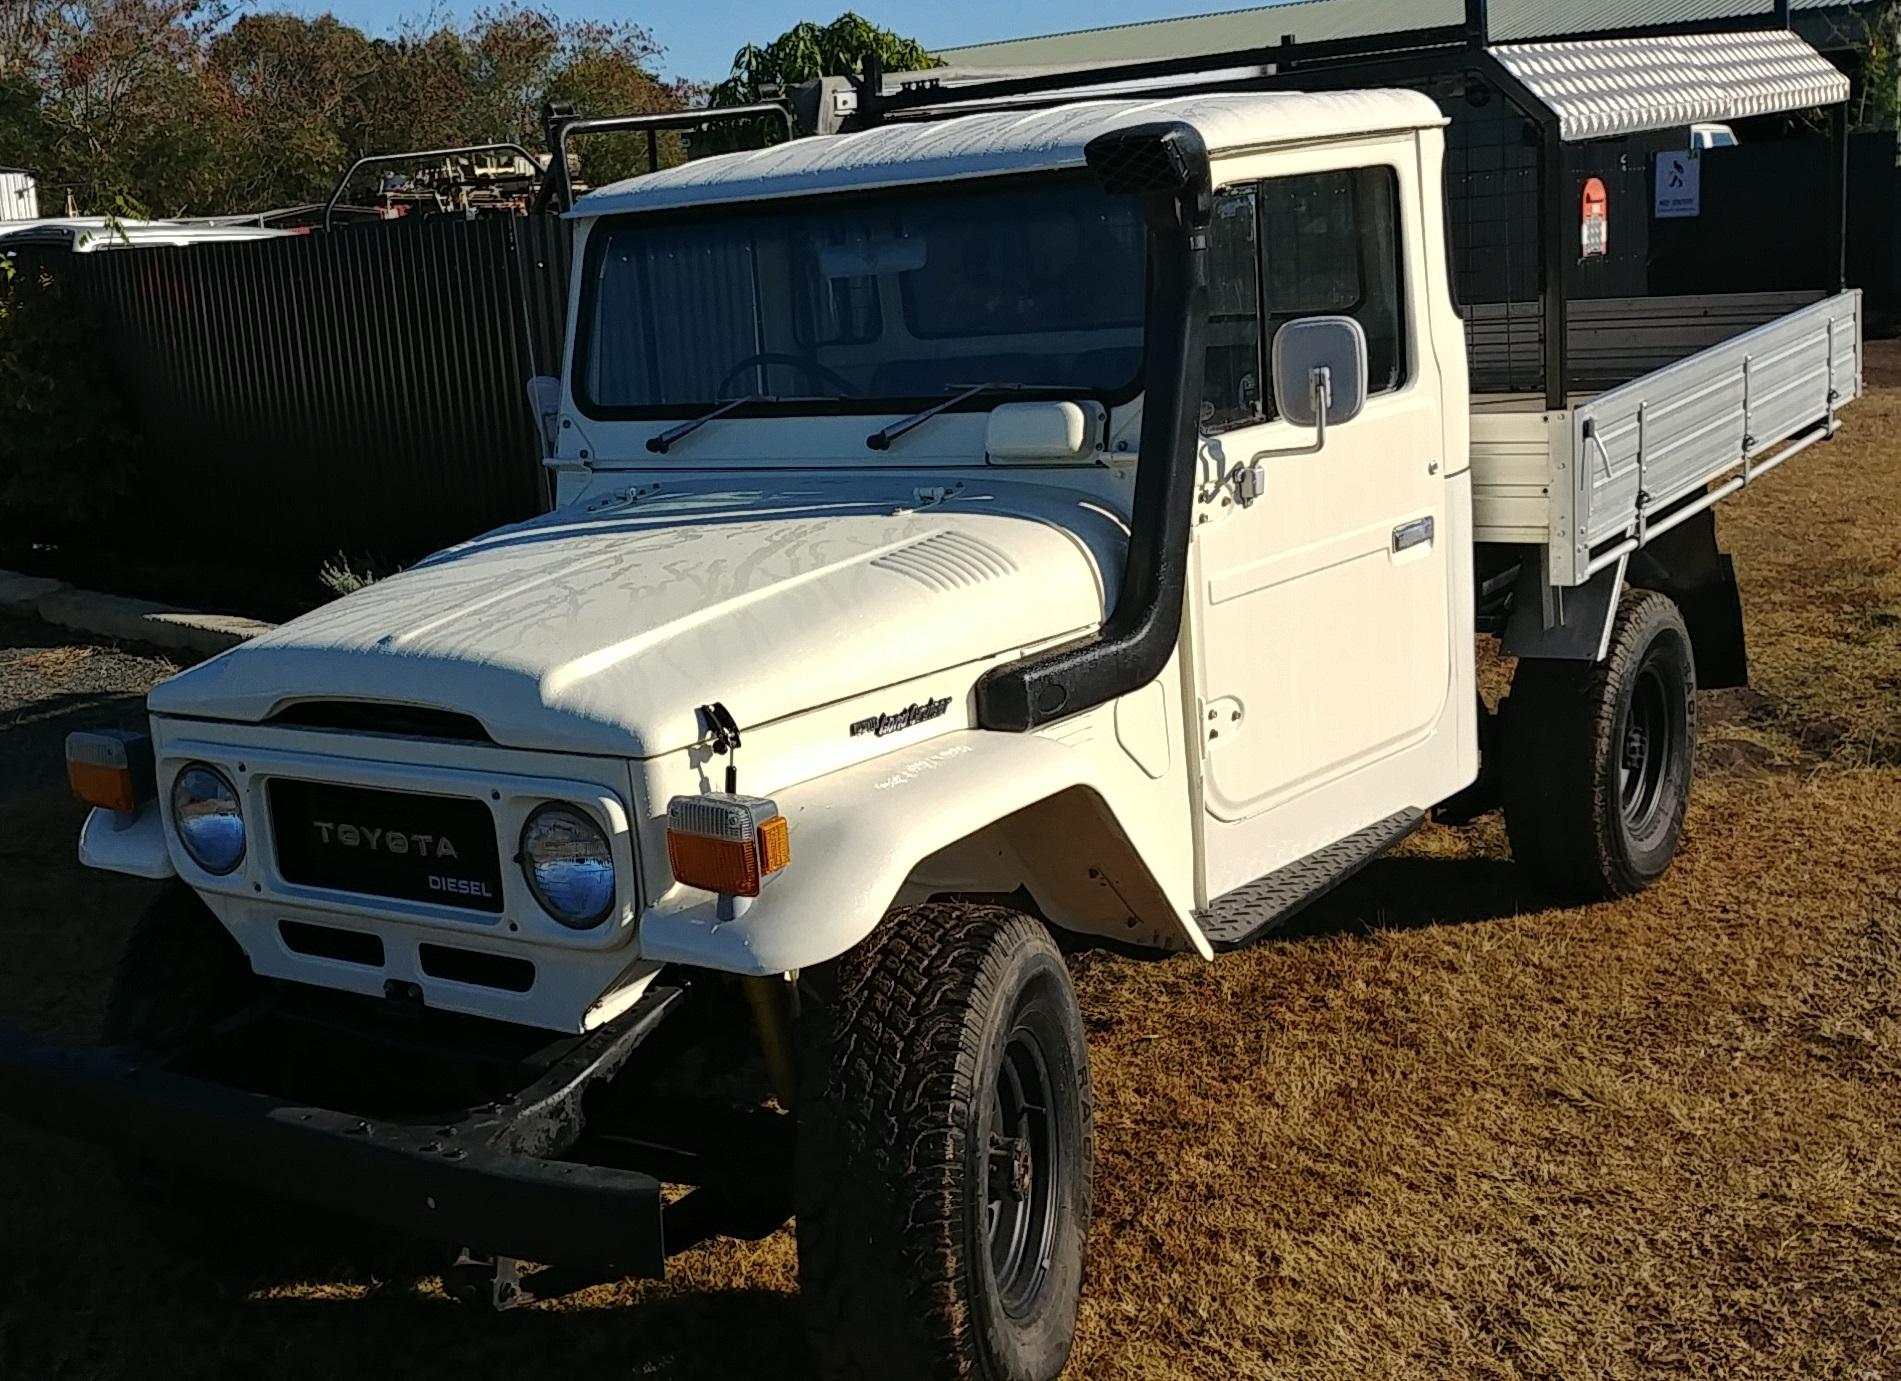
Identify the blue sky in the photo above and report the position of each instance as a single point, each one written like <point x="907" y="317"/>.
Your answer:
<point x="700" y="37"/>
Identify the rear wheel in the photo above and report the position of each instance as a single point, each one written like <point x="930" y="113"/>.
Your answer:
<point x="1599" y="758"/>
<point x="945" y="1149"/>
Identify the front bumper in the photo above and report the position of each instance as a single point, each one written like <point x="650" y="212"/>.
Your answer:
<point x="487" y="1182"/>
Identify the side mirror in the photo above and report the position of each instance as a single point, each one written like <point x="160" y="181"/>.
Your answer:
<point x="544" y="396"/>
<point x="1320" y="371"/>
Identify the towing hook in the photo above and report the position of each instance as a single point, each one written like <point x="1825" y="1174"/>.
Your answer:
<point x="490" y="1282"/>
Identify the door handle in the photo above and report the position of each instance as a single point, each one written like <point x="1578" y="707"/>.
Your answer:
<point x="1413" y="534"/>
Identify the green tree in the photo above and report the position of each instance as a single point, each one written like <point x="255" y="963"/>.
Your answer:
<point x="172" y="106"/>
<point x="68" y="449"/>
<point x="525" y="56"/>
<point x="415" y="92"/>
<point x="297" y="114"/>
<point x="597" y="77"/>
<point x="808" y="51"/>
<point x="22" y="132"/>
<point x="1877" y="103"/>
<point x="125" y="111"/>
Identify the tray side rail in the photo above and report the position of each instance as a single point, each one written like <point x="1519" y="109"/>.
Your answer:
<point x="1660" y="449"/>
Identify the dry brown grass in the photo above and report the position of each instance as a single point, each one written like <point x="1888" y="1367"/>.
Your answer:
<point x="1441" y="1130"/>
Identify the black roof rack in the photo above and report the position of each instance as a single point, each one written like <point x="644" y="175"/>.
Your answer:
<point x="1403" y="55"/>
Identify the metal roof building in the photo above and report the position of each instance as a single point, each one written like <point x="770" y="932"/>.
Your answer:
<point x="19" y="195"/>
<point x="1828" y="24"/>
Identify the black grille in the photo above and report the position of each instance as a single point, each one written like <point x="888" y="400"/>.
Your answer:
<point x="476" y="968"/>
<point x="328" y="942"/>
<point x="437" y="849"/>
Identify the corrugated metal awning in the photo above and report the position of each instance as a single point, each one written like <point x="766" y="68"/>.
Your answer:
<point x="1612" y="86"/>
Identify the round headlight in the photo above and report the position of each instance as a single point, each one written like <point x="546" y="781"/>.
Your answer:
<point x="210" y="825"/>
<point x="569" y="866"/>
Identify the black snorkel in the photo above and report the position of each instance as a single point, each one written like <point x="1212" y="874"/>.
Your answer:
<point x="1165" y="164"/>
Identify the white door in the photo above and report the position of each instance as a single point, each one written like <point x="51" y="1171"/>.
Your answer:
<point x="1322" y="614"/>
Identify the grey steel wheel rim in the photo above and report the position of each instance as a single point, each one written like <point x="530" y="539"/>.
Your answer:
<point x="1648" y="745"/>
<point x="1023" y="1156"/>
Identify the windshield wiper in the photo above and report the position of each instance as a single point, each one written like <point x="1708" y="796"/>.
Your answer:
<point x="881" y="441"/>
<point x="664" y="442"/>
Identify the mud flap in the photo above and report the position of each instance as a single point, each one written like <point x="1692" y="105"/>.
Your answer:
<point x="1580" y="629"/>
<point x="1686" y="565"/>
<point x="1683" y="563"/>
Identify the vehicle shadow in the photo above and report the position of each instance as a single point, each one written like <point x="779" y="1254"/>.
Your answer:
<point x="26" y="731"/>
<point x="1410" y="893"/>
<point x="712" y="1335"/>
<point x="109" y="1298"/>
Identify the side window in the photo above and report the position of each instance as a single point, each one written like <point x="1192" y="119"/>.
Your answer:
<point x="1232" y="392"/>
<point x="1331" y="248"/>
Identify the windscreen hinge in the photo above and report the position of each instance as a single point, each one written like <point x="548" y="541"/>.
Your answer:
<point x="931" y="495"/>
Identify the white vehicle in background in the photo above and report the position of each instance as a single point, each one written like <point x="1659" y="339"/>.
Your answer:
<point x="90" y="234"/>
<point x="1060" y="522"/>
<point x="1712" y="137"/>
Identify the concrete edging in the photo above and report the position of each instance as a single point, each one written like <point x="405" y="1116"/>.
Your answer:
<point x="122" y="619"/>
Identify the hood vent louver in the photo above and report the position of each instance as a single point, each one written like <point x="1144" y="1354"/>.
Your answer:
<point x="947" y="561"/>
<point x="374" y="717"/>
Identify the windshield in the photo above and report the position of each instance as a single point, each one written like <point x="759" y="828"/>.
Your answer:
<point x="882" y="303"/>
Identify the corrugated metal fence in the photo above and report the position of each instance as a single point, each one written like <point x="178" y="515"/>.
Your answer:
<point x="360" y="391"/>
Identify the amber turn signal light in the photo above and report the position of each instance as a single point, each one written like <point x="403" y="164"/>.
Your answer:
<point x="111" y="769"/>
<point x="725" y="843"/>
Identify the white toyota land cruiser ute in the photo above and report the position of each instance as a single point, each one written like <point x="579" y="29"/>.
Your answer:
<point x="968" y="535"/>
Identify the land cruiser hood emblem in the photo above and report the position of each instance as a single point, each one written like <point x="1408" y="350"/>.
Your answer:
<point x="600" y="634"/>
<point x="884" y="725"/>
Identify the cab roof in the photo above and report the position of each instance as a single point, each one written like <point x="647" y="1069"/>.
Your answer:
<point x="995" y="143"/>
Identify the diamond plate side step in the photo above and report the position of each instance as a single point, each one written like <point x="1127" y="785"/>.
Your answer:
<point x="1256" y="908"/>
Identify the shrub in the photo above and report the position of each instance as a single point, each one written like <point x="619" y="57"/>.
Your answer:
<point x="345" y="575"/>
<point x="67" y="453"/>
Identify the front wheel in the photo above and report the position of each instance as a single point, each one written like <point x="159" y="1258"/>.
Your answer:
<point x="1599" y="759"/>
<point x="946" y="1143"/>
<point x="180" y="975"/>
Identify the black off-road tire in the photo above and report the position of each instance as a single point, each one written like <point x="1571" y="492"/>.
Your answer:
<point x="180" y="975"/>
<point x="1599" y="759"/>
<point x="906" y="1078"/>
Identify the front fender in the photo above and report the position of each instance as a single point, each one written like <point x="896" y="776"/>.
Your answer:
<point x="856" y="836"/>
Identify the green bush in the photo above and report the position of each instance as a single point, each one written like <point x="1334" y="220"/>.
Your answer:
<point x="67" y="453"/>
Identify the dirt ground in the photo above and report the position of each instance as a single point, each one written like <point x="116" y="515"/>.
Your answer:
<point x="1441" y="1129"/>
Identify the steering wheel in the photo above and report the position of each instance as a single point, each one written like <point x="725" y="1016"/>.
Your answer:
<point x="831" y="378"/>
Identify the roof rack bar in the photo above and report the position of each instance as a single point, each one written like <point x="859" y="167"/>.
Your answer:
<point x="929" y="92"/>
<point x="1371" y="72"/>
<point x="561" y="124"/>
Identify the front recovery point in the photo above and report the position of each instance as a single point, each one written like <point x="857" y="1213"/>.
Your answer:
<point x="502" y="1182"/>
